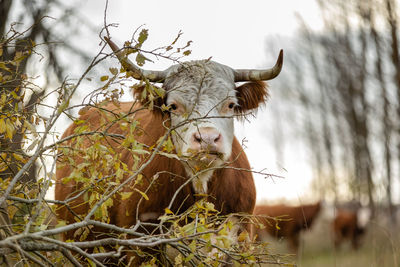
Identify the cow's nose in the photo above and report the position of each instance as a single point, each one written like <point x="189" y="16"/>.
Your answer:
<point x="207" y="138"/>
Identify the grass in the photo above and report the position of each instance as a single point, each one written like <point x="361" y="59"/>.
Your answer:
<point x="380" y="248"/>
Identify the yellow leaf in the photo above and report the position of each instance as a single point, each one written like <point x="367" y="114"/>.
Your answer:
<point x="125" y="195"/>
<point x="2" y="125"/>
<point x="14" y="95"/>
<point x="91" y="263"/>
<point x="78" y="232"/>
<point x="9" y="129"/>
<point x="192" y="245"/>
<point x="77" y="122"/>
<point x="114" y="71"/>
<point x="226" y="242"/>
<point x="3" y="99"/>
<point x="104" y="78"/>
<point x="138" y="179"/>
<point x="62" y="107"/>
<point x="108" y="203"/>
<point x="243" y="236"/>
<point x="168" y="211"/>
<point x="61" y="223"/>
<point x="4" y="67"/>
<point x="210" y="206"/>
<point x="223" y="231"/>
<point x="18" y="157"/>
<point x="142" y="193"/>
<point x="159" y="91"/>
<point x="98" y="214"/>
<point x="178" y="260"/>
<point x="3" y="166"/>
<point x="190" y="257"/>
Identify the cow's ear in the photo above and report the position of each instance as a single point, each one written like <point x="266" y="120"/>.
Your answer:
<point x="138" y="93"/>
<point x="251" y="95"/>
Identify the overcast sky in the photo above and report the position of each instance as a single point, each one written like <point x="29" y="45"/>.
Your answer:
<point x="233" y="32"/>
<point x="241" y="34"/>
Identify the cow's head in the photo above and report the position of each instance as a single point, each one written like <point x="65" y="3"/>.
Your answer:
<point x="203" y="99"/>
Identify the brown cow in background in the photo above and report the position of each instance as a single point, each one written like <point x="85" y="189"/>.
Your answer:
<point x="346" y="226"/>
<point x="287" y="222"/>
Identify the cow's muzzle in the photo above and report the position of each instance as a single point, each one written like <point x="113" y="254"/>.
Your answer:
<point x="206" y="139"/>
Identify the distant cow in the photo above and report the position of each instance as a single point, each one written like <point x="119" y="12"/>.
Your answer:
<point x="346" y="226"/>
<point x="286" y="222"/>
<point x="202" y="99"/>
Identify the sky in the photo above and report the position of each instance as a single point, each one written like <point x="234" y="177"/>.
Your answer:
<point x="233" y="32"/>
<point x="240" y="34"/>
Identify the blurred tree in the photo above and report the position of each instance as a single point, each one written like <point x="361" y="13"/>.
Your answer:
<point x="24" y="29"/>
<point x="392" y="21"/>
<point x="18" y="48"/>
<point x="350" y="94"/>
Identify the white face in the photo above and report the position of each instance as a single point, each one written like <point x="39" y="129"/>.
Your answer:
<point x="202" y="99"/>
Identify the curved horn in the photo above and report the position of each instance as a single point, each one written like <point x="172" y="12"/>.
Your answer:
<point x="260" y="75"/>
<point x="137" y="73"/>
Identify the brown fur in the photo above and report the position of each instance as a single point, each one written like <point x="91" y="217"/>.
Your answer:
<point x="345" y="227"/>
<point x="286" y="221"/>
<point x="230" y="190"/>
<point x="251" y="95"/>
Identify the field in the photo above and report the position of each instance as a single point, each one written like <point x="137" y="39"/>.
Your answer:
<point x="380" y="248"/>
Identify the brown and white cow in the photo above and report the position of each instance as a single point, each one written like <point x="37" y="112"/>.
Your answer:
<point x="203" y="99"/>
<point x="282" y="221"/>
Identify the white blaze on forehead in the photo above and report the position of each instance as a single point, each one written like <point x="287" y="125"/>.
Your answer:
<point x="195" y="71"/>
<point x="201" y="88"/>
<point x="200" y="82"/>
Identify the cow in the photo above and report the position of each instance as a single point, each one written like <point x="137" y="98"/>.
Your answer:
<point x="197" y="112"/>
<point x="346" y="226"/>
<point x="282" y="221"/>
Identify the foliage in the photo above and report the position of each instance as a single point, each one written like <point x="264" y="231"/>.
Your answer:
<point x="29" y="229"/>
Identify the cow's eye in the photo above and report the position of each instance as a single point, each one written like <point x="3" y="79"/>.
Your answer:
<point x="231" y="105"/>
<point x="173" y="106"/>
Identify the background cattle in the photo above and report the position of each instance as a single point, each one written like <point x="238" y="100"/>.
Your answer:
<point x="201" y="100"/>
<point x="282" y="221"/>
<point x="346" y="226"/>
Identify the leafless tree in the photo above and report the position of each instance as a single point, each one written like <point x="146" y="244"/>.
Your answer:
<point x="351" y="71"/>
